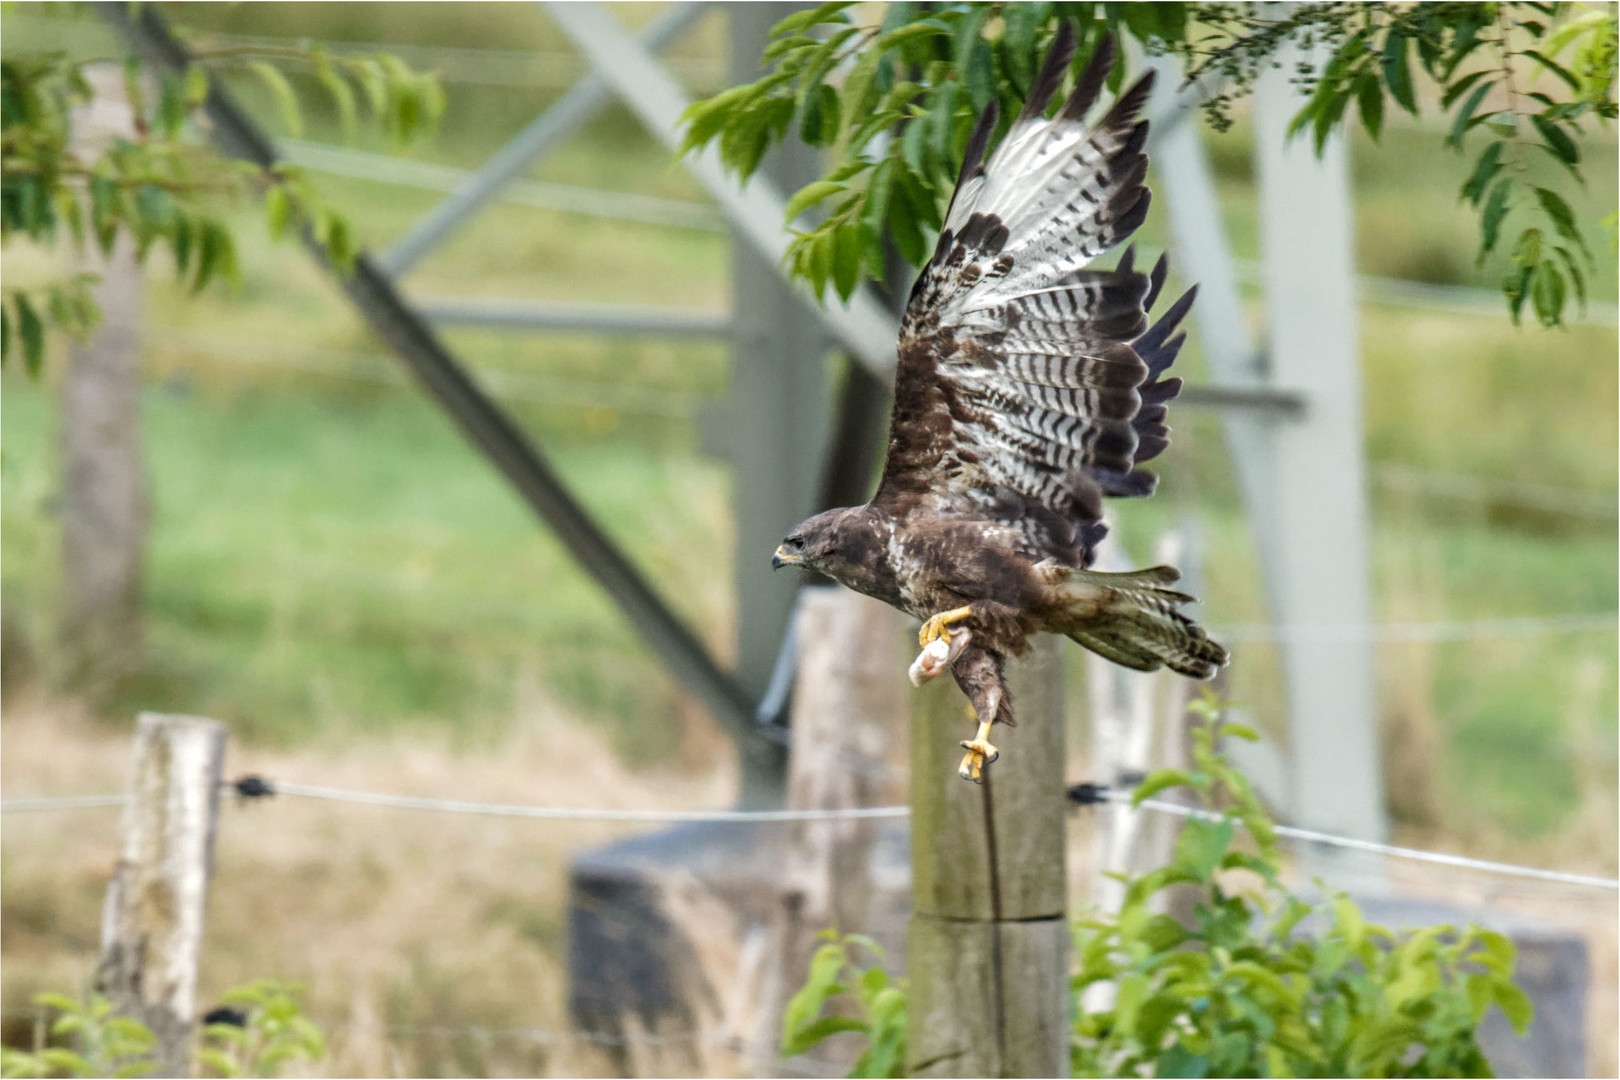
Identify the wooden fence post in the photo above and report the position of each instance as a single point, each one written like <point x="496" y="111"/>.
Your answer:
<point x="152" y="924"/>
<point x="987" y="944"/>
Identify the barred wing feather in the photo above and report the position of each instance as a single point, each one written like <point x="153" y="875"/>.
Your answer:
<point x="1028" y="384"/>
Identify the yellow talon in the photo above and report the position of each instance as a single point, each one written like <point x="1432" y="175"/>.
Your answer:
<point x="979" y="756"/>
<point x="939" y="625"/>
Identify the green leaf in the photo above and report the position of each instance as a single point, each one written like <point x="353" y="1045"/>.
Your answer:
<point x="66" y="1060"/>
<point x="1203" y="844"/>
<point x="1496" y="208"/>
<point x="195" y="85"/>
<point x="172" y="106"/>
<point x="860" y="89"/>
<point x="1485" y="170"/>
<point x="1179" y="1061"/>
<point x="799" y="44"/>
<point x="52" y="1000"/>
<point x="802" y="19"/>
<point x="282" y="91"/>
<point x="32" y="333"/>
<point x="1459" y="88"/>
<point x="277" y="207"/>
<point x="803" y="1007"/>
<point x="1398" y="73"/>
<point x="819" y="260"/>
<point x="1557" y="140"/>
<point x="343" y="99"/>
<point x="1459" y="123"/>
<point x="1516" y="286"/>
<point x="1370" y="103"/>
<point x="1158" y="781"/>
<point x="815" y="1032"/>
<point x="878" y="189"/>
<point x="903" y="220"/>
<point x="1576" y="275"/>
<point x="1515" y="1005"/>
<point x="899" y="36"/>
<point x="1547" y="293"/>
<point x="1348" y="921"/>
<point x="818" y="125"/>
<point x="847" y="257"/>
<point x="1563" y="218"/>
<point x="809" y="195"/>
<point x="1554" y="67"/>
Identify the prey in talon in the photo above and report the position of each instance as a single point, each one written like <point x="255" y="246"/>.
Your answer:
<point x="1030" y="385"/>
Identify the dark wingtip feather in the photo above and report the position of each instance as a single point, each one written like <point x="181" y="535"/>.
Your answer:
<point x="1156" y="281"/>
<point x="1051" y="77"/>
<point x="1158" y="393"/>
<point x="1130" y="220"/>
<point x="1091" y="81"/>
<point x="1128" y="104"/>
<point x="973" y="158"/>
<point x="1167" y="323"/>
<point x="978" y="142"/>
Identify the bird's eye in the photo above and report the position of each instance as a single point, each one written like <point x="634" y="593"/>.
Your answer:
<point x="796" y="543"/>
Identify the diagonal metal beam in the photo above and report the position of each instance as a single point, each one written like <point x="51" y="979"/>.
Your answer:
<point x="864" y="326"/>
<point x="565" y="115"/>
<point x="480" y="420"/>
<point x="500" y="314"/>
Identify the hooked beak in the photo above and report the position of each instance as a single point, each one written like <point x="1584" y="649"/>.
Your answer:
<point x="783" y="557"/>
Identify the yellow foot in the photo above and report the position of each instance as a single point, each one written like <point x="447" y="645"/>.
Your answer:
<point x="939" y="625"/>
<point x="979" y="756"/>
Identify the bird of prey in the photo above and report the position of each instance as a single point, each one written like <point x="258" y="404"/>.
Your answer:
<point x="1028" y="387"/>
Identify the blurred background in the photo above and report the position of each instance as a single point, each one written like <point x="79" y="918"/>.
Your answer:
<point x="334" y="573"/>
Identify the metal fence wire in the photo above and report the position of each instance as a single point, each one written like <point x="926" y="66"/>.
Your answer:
<point x="254" y="787"/>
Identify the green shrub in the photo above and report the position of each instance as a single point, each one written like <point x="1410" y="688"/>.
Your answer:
<point x="1259" y="983"/>
<point x="880" y="1001"/>
<point x="274" y="1032"/>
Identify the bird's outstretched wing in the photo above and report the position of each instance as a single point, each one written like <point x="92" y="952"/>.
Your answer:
<point x="1028" y="385"/>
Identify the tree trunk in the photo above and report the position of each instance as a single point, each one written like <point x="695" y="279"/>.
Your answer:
<point x="103" y="502"/>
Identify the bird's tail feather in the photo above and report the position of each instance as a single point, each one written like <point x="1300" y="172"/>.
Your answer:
<point x="1134" y="620"/>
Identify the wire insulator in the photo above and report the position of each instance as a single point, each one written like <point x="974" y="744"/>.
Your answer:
<point x="253" y="786"/>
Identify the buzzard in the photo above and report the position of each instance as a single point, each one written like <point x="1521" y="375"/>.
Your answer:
<point x="1028" y="387"/>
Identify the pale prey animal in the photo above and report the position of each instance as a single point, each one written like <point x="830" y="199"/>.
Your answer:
<point x="1028" y="388"/>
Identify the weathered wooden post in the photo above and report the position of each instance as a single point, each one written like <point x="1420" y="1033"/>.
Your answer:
<point x="152" y="924"/>
<point x="987" y="944"/>
<point x="849" y="708"/>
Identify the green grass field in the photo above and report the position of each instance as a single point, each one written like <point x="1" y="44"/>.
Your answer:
<point x="330" y="562"/>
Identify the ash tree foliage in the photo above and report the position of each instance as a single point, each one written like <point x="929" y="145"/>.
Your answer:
<point x="1259" y="981"/>
<point x="892" y="103"/>
<point x="165" y="186"/>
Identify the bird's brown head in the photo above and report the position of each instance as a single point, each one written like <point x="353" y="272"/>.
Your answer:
<point x="825" y="543"/>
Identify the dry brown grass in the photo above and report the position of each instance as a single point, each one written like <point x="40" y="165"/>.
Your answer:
<point x="431" y="944"/>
